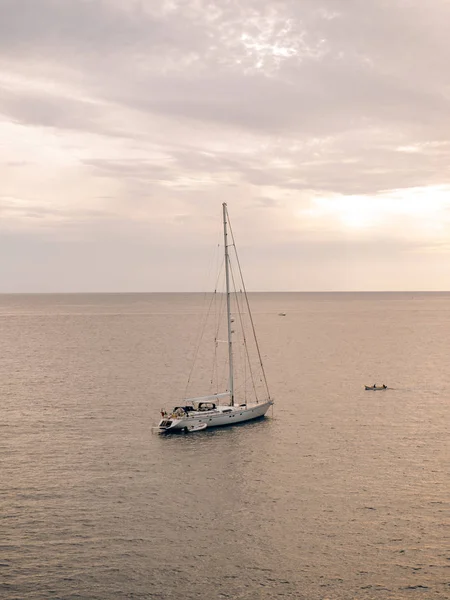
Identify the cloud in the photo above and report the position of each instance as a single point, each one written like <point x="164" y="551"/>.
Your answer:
<point x="50" y="111"/>
<point x="144" y="116"/>
<point x="344" y="66"/>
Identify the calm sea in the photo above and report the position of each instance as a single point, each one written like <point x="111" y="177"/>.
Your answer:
<point x="341" y="494"/>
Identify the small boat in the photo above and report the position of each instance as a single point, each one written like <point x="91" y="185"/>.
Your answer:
<point x="196" y="427"/>
<point x="199" y="413"/>
<point x="281" y="314"/>
<point x="375" y="387"/>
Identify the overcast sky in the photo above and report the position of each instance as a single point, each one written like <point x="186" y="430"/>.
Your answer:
<point x="324" y="124"/>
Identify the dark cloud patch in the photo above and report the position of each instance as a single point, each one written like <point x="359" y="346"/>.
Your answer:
<point x="360" y="170"/>
<point x="59" y="112"/>
<point x="16" y="163"/>
<point x="131" y="169"/>
<point x="266" y="202"/>
<point x="27" y="209"/>
<point x="85" y="27"/>
<point x="48" y="111"/>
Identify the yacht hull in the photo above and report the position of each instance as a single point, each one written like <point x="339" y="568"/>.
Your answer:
<point x="220" y="417"/>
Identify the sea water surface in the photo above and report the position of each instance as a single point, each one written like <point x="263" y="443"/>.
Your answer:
<point x="341" y="494"/>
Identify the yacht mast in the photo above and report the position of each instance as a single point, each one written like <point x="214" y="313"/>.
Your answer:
<point x="227" y="279"/>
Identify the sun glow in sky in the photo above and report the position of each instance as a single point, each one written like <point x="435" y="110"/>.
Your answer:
<point x="426" y="209"/>
<point x="123" y="127"/>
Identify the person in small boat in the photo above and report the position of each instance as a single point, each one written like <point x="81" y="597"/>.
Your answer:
<point x="384" y="386"/>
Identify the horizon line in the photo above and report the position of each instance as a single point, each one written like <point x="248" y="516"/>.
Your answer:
<point x="221" y="292"/>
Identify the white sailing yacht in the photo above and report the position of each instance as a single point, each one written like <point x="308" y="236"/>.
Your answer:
<point x="196" y="414"/>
